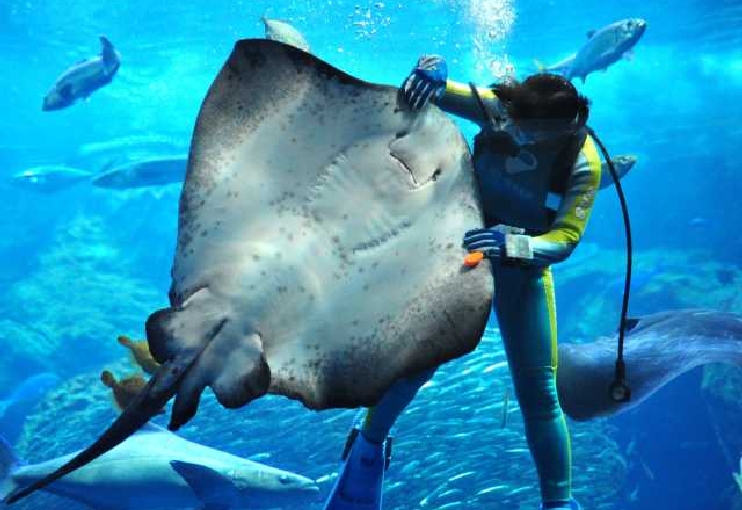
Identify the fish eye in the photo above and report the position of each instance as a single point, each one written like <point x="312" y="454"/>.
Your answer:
<point x="284" y="479"/>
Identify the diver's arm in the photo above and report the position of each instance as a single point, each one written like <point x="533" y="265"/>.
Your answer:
<point x="457" y="99"/>
<point x="428" y="82"/>
<point x="574" y="211"/>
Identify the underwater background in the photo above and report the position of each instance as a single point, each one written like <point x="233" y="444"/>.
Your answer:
<point x="82" y="265"/>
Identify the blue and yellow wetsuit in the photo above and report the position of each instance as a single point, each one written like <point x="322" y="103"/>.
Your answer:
<point x="517" y="193"/>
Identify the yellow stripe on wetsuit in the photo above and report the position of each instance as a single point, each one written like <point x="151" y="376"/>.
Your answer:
<point x="574" y="211"/>
<point x="459" y="101"/>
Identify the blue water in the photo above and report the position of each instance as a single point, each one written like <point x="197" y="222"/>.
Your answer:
<point x="83" y="265"/>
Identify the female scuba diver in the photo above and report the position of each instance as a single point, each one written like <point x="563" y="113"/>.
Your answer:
<point x="538" y="172"/>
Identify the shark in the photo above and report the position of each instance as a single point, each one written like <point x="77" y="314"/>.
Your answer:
<point x="158" y="470"/>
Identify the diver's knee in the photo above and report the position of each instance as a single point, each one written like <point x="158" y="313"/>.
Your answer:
<point x="537" y="394"/>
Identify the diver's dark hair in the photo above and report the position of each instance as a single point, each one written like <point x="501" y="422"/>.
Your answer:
<point x="543" y="97"/>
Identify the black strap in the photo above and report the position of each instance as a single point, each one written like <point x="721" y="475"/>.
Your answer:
<point x="565" y="160"/>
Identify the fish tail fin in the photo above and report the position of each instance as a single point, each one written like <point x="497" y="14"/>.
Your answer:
<point x="107" y="51"/>
<point x="8" y="463"/>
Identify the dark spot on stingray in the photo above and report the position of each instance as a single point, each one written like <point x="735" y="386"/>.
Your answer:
<point x="436" y="174"/>
<point x="240" y="107"/>
<point x="365" y="287"/>
<point x="256" y="258"/>
<point x="263" y="273"/>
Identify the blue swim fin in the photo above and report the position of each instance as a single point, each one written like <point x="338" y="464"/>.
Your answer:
<point x="361" y="477"/>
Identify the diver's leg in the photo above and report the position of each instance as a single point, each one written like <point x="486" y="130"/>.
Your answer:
<point x="526" y="313"/>
<point x="359" y="483"/>
<point x="379" y="419"/>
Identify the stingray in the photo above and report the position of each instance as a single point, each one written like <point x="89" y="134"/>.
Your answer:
<point x="319" y="246"/>
<point x="658" y="348"/>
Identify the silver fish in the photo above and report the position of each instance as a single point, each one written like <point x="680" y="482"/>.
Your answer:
<point x="83" y="78"/>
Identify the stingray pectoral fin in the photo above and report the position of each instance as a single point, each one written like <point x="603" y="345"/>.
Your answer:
<point x="658" y="348"/>
<point x="145" y="405"/>
<point x="210" y="487"/>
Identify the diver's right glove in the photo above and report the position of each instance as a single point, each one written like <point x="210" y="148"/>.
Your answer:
<point x="426" y="81"/>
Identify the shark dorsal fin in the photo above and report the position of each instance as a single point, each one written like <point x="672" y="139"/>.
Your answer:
<point x="212" y="488"/>
<point x="590" y="33"/>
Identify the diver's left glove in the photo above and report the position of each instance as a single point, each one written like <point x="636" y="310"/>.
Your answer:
<point x="489" y="241"/>
<point x="500" y="242"/>
<point x="426" y="81"/>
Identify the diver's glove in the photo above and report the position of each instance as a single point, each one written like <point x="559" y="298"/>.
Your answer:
<point x="489" y="241"/>
<point x="426" y="81"/>
<point x="500" y="241"/>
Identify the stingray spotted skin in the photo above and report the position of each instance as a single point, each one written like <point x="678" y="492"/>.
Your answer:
<point x="320" y="222"/>
<point x="319" y="245"/>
